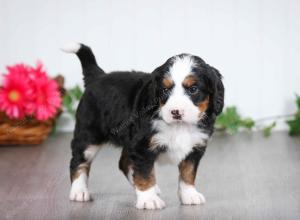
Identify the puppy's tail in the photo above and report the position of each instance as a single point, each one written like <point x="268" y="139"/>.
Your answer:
<point x="90" y="68"/>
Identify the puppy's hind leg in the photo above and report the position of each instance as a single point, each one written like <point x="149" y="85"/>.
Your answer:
<point x="125" y="165"/>
<point x="82" y="156"/>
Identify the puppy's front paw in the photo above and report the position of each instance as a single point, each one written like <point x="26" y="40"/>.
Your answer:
<point x="190" y="196"/>
<point x="153" y="202"/>
<point x="149" y="200"/>
<point x="79" y="191"/>
<point x="157" y="190"/>
<point x="80" y="195"/>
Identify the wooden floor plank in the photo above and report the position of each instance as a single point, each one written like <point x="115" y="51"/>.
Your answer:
<point x="242" y="177"/>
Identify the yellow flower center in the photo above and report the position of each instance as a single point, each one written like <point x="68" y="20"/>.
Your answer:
<point x="14" y="96"/>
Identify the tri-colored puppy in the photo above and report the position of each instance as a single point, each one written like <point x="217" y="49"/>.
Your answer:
<point x="167" y="115"/>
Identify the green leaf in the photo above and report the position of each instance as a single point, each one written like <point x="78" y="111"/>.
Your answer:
<point x="267" y="130"/>
<point x="67" y="100"/>
<point x="68" y="104"/>
<point x="232" y="129"/>
<point x="76" y="92"/>
<point x="231" y="121"/>
<point x="71" y="110"/>
<point x="228" y="118"/>
<point x="294" y="123"/>
<point x="248" y="123"/>
<point x="294" y="126"/>
<point x="298" y="101"/>
<point x="72" y="95"/>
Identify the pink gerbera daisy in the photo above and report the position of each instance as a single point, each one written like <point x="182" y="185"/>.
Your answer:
<point x="46" y="95"/>
<point x="15" y="92"/>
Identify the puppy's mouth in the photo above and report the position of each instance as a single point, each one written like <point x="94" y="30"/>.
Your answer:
<point x="177" y="117"/>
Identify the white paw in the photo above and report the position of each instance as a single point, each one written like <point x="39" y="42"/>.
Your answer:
<point x="157" y="189"/>
<point x="153" y="202"/>
<point x="190" y="196"/>
<point x="80" y="195"/>
<point x="79" y="191"/>
<point x="149" y="199"/>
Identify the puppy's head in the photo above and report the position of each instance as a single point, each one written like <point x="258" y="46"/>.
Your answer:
<point x="188" y="89"/>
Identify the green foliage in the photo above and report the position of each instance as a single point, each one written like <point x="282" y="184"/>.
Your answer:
<point x="267" y="130"/>
<point x="294" y="123"/>
<point x="298" y="102"/>
<point x="247" y="123"/>
<point x="231" y="121"/>
<point x="71" y="98"/>
<point x="75" y="92"/>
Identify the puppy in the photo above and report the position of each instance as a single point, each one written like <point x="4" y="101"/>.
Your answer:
<point x="167" y="115"/>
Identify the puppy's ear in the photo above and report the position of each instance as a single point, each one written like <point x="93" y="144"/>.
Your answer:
<point x="145" y="99"/>
<point x="157" y="77"/>
<point x="217" y="90"/>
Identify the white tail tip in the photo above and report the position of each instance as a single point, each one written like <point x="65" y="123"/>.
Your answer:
<point x="71" y="48"/>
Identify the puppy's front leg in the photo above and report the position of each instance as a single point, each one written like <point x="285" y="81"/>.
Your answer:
<point x="126" y="166"/>
<point x="145" y="183"/>
<point x="188" y="169"/>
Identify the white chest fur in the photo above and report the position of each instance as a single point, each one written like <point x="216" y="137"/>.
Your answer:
<point x="179" y="138"/>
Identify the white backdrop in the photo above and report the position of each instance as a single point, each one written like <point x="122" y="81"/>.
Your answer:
<point x="254" y="43"/>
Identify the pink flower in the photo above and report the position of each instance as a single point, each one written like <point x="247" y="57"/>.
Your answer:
<point x="46" y="96"/>
<point x="16" y="92"/>
<point x="28" y="91"/>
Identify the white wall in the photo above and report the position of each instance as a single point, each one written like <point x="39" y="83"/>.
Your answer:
<point x="254" y="43"/>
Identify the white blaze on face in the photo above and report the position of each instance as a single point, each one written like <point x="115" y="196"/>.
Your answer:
<point x="178" y="99"/>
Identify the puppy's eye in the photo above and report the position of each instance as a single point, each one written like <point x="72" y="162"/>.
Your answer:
<point x="166" y="90"/>
<point x="193" y="90"/>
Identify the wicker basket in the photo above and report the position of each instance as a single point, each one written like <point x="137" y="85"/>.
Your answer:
<point x="27" y="131"/>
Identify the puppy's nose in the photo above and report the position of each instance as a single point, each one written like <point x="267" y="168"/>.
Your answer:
<point x="176" y="114"/>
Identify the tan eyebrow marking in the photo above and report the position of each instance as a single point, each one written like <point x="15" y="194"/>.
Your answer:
<point x="168" y="83"/>
<point x="189" y="81"/>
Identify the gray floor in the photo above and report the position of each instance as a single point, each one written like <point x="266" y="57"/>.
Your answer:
<point x="242" y="177"/>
